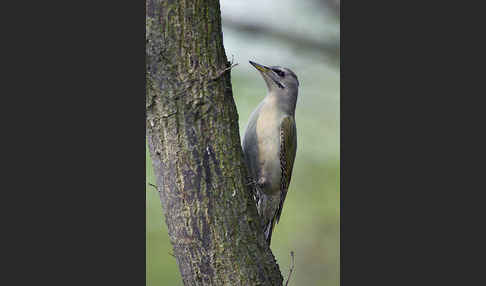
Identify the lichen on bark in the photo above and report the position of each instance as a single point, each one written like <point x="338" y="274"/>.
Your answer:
<point x="194" y="144"/>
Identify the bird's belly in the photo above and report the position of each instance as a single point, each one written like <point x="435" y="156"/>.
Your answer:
<point x="271" y="174"/>
<point x="269" y="161"/>
<point x="268" y="134"/>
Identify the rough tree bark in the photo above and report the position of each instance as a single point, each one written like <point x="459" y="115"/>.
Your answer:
<point x="194" y="142"/>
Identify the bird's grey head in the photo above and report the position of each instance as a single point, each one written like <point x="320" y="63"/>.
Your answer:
<point x="279" y="79"/>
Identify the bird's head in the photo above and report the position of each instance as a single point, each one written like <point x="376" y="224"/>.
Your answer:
<point x="278" y="79"/>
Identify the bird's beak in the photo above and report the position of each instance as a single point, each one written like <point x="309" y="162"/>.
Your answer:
<point x="268" y="75"/>
<point x="260" y="67"/>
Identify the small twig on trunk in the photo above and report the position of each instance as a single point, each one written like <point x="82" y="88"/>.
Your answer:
<point x="223" y="71"/>
<point x="220" y="73"/>
<point x="152" y="185"/>
<point x="291" y="267"/>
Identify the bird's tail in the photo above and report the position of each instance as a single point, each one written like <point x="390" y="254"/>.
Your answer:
<point x="269" y="230"/>
<point x="267" y="208"/>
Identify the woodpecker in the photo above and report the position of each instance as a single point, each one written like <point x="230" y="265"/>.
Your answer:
<point x="270" y="143"/>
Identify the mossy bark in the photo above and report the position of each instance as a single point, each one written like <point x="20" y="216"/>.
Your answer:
<point x="194" y="142"/>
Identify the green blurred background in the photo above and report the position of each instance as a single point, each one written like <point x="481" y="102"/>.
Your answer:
<point x="305" y="38"/>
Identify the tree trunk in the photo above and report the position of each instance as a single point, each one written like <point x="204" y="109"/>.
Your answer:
<point x="194" y="142"/>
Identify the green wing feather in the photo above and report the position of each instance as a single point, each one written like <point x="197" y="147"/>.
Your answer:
<point x="288" y="147"/>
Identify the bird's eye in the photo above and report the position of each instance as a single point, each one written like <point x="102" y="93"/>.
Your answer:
<point x="279" y="72"/>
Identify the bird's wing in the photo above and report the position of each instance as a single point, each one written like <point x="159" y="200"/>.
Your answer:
<point x="288" y="147"/>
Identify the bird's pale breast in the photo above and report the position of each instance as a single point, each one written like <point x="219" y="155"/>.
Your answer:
<point x="268" y="130"/>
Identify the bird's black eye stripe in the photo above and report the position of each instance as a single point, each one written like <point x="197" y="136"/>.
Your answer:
<point x="278" y="83"/>
<point x="279" y="72"/>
